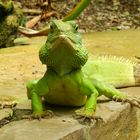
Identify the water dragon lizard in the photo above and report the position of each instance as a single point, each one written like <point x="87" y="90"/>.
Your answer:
<point x="72" y="79"/>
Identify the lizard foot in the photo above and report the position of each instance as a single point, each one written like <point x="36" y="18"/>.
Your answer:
<point x="86" y="116"/>
<point x="134" y="101"/>
<point x="45" y="114"/>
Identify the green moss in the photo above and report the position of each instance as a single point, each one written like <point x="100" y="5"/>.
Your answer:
<point x="10" y="18"/>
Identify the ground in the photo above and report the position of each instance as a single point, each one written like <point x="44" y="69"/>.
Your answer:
<point x="100" y="15"/>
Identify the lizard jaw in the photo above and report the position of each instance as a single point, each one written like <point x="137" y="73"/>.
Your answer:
<point x="63" y="39"/>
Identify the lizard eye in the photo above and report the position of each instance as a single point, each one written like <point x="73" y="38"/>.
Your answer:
<point x="76" y="27"/>
<point x="51" y="27"/>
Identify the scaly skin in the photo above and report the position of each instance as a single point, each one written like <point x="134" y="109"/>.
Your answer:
<point x="65" y="83"/>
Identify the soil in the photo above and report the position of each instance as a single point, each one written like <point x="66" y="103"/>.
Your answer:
<point x="100" y="15"/>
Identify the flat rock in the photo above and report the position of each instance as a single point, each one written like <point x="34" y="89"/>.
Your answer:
<point x="63" y="126"/>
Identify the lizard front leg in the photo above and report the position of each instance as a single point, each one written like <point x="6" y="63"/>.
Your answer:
<point x="35" y="91"/>
<point x="86" y="113"/>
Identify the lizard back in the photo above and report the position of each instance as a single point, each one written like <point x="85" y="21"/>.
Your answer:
<point x="118" y="71"/>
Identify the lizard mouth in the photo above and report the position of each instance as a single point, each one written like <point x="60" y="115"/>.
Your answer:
<point x="63" y="39"/>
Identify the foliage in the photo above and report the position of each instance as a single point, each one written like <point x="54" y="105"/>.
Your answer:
<point x="9" y="21"/>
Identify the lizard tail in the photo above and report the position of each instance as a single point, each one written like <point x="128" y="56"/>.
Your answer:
<point x="137" y="74"/>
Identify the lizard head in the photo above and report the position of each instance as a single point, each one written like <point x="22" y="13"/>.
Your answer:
<point x="63" y="50"/>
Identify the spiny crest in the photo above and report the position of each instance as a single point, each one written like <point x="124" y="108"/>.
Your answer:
<point x="137" y="74"/>
<point x="115" y="59"/>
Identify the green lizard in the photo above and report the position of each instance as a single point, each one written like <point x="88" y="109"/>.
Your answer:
<point x="73" y="80"/>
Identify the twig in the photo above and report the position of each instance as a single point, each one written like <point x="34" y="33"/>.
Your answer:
<point x="32" y="11"/>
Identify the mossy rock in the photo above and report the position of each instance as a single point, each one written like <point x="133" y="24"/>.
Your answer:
<point x="10" y="18"/>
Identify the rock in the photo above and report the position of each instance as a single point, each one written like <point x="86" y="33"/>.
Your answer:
<point x="134" y="91"/>
<point x="6" y="112"/>
<point x="63" y="126"/>
<point x="52" y="129"/>
<point x="122" y="27"/>
<point x="138" y="116"/>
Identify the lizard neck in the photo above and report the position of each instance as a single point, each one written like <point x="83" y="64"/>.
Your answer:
<point x="61" y="70"/>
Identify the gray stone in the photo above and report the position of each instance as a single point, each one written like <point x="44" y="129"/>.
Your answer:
<point x="138" y="116"/>
<point x="63" y="126"/>
<point x="135" y="92"/>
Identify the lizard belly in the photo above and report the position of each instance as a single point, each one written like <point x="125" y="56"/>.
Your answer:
<point x="65" y="93"/>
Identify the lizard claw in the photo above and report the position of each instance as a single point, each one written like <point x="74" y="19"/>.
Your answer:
<point x="87" y="119"/>
<point x="86" y="116"/>
<point x="46" y="114"/>
<point x="134" y="101"/>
